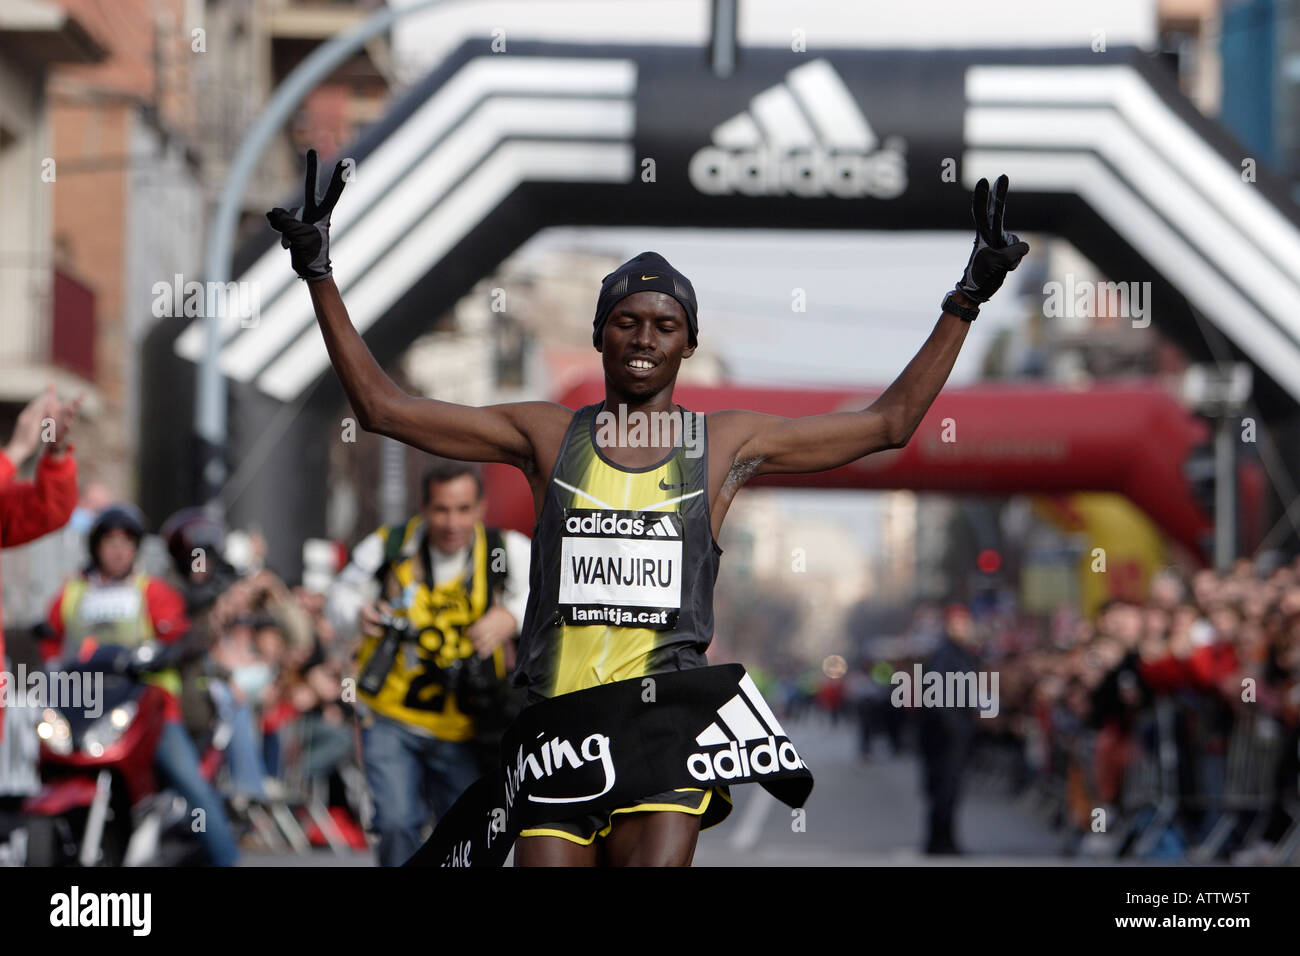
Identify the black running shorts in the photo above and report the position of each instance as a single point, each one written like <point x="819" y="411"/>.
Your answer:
<point x="713" y="804"/>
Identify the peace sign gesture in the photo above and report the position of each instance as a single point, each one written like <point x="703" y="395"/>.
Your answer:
<point x="305" y="230"/>
<point x="996" y="251"/>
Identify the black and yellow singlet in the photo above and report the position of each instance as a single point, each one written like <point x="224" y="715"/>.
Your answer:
<point x="623" y="564"/>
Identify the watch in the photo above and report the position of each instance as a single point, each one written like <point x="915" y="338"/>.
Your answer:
<point x="950" y="304"/>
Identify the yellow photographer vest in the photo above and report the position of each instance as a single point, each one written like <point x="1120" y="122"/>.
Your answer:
<point x="415" y="692"/>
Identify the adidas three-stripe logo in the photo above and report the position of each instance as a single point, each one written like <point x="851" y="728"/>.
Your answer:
<point x="743" y="719"/>
<point x="663" y="528"/>
<point x="805" y="136"/>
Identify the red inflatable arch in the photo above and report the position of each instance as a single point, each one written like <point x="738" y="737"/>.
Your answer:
<point x="1129" y="439"/>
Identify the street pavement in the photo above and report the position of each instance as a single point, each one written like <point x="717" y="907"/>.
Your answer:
<point x="862" y="812"/>
<point x="870" y="812"/>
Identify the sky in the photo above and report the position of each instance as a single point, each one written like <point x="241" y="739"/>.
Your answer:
<point x="872" y="297"/>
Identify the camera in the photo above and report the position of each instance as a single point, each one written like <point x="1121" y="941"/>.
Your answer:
<point x="396" y="630"/>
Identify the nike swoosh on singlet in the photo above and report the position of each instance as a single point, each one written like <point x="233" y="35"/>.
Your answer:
<point x="643" y="278"/>
<point x="669" y="487"/>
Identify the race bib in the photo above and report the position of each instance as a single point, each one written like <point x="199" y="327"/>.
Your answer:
<point x="107" y="605"/>
<point x="621" y="568"/>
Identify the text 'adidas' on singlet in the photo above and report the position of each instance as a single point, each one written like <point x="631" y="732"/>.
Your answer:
<point x="623" y="565"/>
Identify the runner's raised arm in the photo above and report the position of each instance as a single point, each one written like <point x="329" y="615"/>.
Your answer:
<point x="464" y="432"/>
<point x="771" y="444"/>
<point x="501" y="433"/>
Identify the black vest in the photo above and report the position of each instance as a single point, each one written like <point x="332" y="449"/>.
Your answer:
<point x="623" y="563"/>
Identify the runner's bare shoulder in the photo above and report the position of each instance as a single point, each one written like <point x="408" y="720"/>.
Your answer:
<point x="544" y="423"/>
<point x="730" y="428"/>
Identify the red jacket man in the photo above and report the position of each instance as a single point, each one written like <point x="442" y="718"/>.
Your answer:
<point x="29" y="510"/>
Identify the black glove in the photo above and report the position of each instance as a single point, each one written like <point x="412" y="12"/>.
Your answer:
<point x="996" y="251"/>
<point x="305" y="231"/>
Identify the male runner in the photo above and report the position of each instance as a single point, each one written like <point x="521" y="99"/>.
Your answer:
<point x="645" y="325"/>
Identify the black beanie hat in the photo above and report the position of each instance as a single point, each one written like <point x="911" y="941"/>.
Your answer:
<point x="647" y="272"/>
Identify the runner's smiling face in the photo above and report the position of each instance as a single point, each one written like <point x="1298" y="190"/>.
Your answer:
<point x="643" y="343"/>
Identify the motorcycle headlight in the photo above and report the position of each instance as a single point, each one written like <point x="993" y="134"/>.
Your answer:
<point x="55" y="732"/>
<point x="108" y="730"/>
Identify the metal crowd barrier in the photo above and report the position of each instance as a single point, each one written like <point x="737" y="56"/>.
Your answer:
<point x="1165" y="786"/>
<point x="303" y="793"/>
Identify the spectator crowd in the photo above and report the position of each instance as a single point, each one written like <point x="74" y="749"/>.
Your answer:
<point x="1165" y="728"/>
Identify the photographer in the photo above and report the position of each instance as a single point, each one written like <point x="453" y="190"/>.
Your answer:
<point x="432" y="690"/>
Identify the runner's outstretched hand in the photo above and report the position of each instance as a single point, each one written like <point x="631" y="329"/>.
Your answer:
<point x="305" y="230"/>
<point x="996" y="251"/>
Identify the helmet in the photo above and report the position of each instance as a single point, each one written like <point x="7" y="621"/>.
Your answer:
<point x="190" y="529"/>
<point x="117" y="517"/>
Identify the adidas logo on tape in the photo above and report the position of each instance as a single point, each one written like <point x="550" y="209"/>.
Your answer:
<point x="805" y="136"/>
<point x="730" y="752"/>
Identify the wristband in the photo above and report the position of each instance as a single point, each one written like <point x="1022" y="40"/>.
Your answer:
<point x="964" y="312"/>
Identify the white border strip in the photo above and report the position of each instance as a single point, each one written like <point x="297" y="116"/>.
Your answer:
<point x="1121" y="86"/>
<point x="430" y="240"/>
<point x="437" y="176"/>
<point x="1218" y="238"/>
<point x="1086" y="175"/>
<point x="392" y="160"/>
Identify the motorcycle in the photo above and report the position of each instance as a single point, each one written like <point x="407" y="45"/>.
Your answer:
<point x="100" y="803"/>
